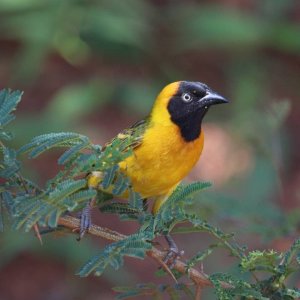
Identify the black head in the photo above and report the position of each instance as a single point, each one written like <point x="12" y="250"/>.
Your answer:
<point x="189" y="105"/>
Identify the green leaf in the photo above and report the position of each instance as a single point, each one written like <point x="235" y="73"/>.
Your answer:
<point x="201" y="255"/>
<point x="10" y="165"/>
<point x="79" y="197"/>
<point x="119" y="208"/>
<point x="100" y="262"/>
<point x="47" y="141"/>
<point x="9" y="202"/>
<point x="8" y="103"/>
<point x="73" y="151"/>
<point x="262" y="260"/>
<point x="109" y="176"/>
<point x="134" y="245"/>
<point x="185" y="230"/>
<point x="9" y="156"/>
<point x="185" y="191"/>
<point x="53" y="218"/>
<point x="239" y="288"/>
<point x="172" y="210"/>
<point x="103" y="197"/>
<point x="66" y="188"/>
<point x="288" y="257"/>
<point x="120" y="185"/>
<point x="51" y="204"/>
<point x="7" y="136"/>
<point x="25" y="206"/>
<point x="294" y="293"/>
<point x="135" y="200"/>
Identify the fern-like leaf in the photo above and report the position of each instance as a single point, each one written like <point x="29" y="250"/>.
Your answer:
<point x="239" y="288"/>
<point x="112" y="255"/>
<point x="201" y="255"/>
<point x="10" y="165"/>
<point x="121" y="184"/>
<point x="45" y="142"/>
<point x="173" y="209"/>
<point x="183" y="192"/>
<point x="73" y="151"/>
<point x="135" y="200"/>
<point x="49" y="205"/>
<point x="8" y="201"/>
<point x="8" y="102"/>
<point x="119" y="208"/>
<point x="109" y="176"/>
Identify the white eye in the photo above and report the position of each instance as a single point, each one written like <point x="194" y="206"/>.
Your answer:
<point x="186" y="97"/>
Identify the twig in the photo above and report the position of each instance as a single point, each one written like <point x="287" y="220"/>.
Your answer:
<point x="199" y="278"/>
<point x="198" y="292"/>
<point x="166" y="268"/>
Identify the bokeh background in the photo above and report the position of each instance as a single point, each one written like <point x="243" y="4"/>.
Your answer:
<point x="95" y="67"/>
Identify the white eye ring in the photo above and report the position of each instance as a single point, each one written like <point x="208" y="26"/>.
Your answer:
<point x="186" y="97"/>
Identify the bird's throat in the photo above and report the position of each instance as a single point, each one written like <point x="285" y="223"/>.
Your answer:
<point x="190" y="125"/>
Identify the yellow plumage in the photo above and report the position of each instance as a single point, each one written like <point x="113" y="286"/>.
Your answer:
<point x="165" y="155"/>
<point x="164" y="158"/>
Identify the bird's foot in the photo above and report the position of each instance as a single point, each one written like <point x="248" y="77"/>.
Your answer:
<point x="85" y="219"/>
<point x="172" y="256"/>
<point x="173" y="253"/>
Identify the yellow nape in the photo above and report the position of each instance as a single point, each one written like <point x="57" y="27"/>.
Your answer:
<point x="159" y="111"/>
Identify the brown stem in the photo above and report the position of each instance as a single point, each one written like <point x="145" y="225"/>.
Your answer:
<point x="198" y="292"/>
<point x="199" y="278"/>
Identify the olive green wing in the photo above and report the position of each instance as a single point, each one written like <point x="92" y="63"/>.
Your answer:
<point x="132" y="137"/>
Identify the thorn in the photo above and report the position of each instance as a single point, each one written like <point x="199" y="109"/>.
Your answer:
<point x="37" y="233"/>
<point x="167" y="269"/>
<point x="202" y="267"/>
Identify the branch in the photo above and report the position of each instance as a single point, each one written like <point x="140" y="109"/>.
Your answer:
<point x="199" y="278"/>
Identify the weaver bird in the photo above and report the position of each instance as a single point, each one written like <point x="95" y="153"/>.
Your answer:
<point x="167" y="144"/>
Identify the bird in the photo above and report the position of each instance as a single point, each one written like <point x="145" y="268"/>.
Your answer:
<point x="167" y="144"/>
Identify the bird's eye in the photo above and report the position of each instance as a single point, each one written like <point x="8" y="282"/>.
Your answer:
<point x="186" y="97"/>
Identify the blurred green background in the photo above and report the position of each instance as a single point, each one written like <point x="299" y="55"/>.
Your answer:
<point x="95" y="67"/>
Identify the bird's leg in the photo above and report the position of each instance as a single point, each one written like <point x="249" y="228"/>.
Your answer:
<point x="86" y="219"/>
<point x="145" y="204"/>
<point x="93" y="180"/>
<point x="173" y="252"/>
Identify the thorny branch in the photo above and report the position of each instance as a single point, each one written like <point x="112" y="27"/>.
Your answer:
<point x="199" y="278"/>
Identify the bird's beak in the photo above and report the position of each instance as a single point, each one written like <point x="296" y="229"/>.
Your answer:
<point x="212" y="98"/>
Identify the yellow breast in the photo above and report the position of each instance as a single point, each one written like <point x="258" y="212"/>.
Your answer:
<point x="162" y="160"/>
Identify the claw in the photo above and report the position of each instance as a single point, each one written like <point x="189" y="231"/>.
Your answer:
<point x="85" y="220"/>
<point x="173" y="253"/>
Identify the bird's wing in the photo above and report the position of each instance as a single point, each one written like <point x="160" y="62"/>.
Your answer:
<point x="130" y="138"/>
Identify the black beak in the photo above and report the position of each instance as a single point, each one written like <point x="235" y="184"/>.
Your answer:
<point x="212" y="98"/>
